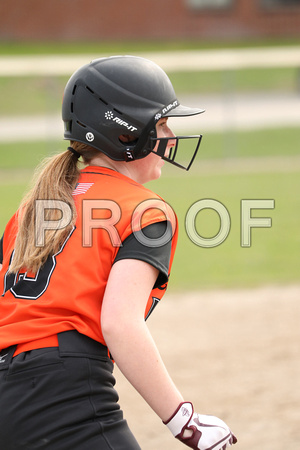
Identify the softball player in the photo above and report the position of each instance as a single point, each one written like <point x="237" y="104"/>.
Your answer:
<point x="85" y="260"/>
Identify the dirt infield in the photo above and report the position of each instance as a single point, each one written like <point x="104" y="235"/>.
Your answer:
<point x="236" y="355"/>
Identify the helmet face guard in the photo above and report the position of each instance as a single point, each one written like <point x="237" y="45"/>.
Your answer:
<point x="122" y="95"/>
<point x="172" y="153"/>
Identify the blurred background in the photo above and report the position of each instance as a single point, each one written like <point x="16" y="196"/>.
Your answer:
<point x="240" y="61"/>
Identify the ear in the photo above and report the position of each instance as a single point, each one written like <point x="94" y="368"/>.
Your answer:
<point x="127" y="138"/>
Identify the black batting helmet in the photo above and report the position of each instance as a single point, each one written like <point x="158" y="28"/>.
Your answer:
<point x="121" y="95"/>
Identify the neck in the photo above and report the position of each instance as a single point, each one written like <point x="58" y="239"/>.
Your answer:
<point x="119" y="166"/>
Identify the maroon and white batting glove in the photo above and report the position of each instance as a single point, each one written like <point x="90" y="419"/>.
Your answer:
<point x="208" y="432"/>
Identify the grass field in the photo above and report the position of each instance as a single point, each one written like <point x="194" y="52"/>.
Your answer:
<point x="109" y="47"/>
<point x="274" y="253"/>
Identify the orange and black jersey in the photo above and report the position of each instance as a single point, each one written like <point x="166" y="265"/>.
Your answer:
<point x="67" y="292"/>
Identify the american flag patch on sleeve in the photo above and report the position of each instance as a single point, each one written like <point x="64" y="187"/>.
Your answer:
<point x="82" y="188"/>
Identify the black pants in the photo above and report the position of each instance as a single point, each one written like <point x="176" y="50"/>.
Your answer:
<point x="61" y="399"/>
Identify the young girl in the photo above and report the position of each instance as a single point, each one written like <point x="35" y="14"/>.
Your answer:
<point x="85" y="260"/>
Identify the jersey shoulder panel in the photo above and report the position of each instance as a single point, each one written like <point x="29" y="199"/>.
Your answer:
<point x="137" y="205"/>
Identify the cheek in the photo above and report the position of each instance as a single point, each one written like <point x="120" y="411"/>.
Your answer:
<point x="152" y="167"/>
<point x="150" y="161"/>
<point x="155" y="160"/>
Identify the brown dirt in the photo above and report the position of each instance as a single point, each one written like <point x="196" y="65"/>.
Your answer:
<point x="234" y="354"/>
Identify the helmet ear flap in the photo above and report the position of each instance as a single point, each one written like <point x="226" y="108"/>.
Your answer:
<point x="143" y="144"/>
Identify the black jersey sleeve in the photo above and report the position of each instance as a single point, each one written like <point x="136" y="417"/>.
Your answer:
<point x="152" y="245"/>
<point x="1" y="250"/>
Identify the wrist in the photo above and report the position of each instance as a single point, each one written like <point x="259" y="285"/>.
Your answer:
<point x="179" y="420"/>
<point x="199" y="431"/>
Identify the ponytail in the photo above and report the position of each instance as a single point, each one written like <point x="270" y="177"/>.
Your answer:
<point x="56" y="179"/>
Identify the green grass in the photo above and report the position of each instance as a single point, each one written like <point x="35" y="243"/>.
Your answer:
<point x="274" y="253"/>
<point x="235" y="81"/>
<point x="109" y="47"/>
<point x="27" y="155"/>
<point x="257" y="143"/>
<point x="31" y="95"/>
<point x="10" y="196"/>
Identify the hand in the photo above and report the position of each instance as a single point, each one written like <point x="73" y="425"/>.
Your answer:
<point x="198" y="431"/>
